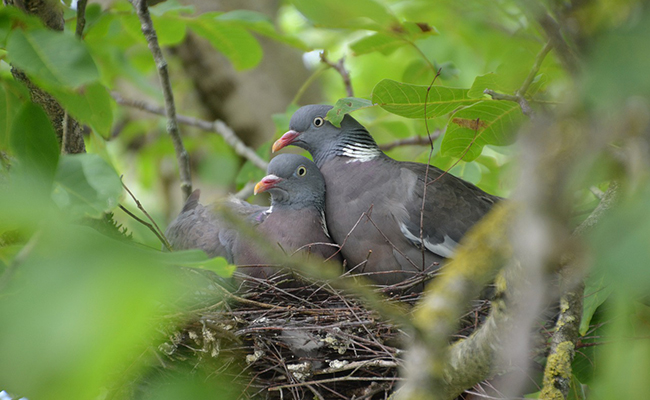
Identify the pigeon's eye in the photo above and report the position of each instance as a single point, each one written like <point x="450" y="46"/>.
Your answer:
<point x="301" y="171"/>
<point x="318" y="121"/>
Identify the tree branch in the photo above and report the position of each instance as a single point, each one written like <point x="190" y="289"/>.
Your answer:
<point x="68" y="131"/>
<point x="432" y="366"/>
<point x="412" y="141"/>
<point x="170" y="108"/>
<point x="553" y="31"/>
<point x="557" y="373"/>
<point x="340" y="68"/>
<point x="81" y="17"/>
<point x="520" y="95"/>
<point x="217" y="126"/>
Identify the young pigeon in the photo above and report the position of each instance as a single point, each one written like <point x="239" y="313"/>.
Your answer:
<point x="374" y="204"/>
<point x="295" y="220"/>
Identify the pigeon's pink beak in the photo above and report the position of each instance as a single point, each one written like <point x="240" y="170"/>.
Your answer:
<point x="285" y="140"/>
<point x="268" y="182"/>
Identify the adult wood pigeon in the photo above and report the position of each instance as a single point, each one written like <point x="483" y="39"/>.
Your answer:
<point x="360" y="179"/>
<point x="294" y="221"/>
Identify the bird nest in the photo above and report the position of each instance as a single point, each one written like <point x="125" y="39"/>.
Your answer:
<point x="296" y="342"/>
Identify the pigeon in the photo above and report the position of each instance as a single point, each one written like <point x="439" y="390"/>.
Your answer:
<point x="393" y="219"/>
<point x="294" y="221"/>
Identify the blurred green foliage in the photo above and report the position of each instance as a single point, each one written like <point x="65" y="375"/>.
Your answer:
<point x="80" y="310"/>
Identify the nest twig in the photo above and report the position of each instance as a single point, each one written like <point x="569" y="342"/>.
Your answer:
<point x="303" y="341"/>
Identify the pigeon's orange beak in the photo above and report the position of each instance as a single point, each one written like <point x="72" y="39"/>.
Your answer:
<point x="285" y="140"/>
<point x="268" y="182"/>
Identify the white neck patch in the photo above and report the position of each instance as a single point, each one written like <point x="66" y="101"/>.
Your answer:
<point x="360" y="153"/>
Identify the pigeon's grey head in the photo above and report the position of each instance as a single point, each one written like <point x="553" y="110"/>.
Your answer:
<point x="293" y="181"/>
<point x="310" y="130"/>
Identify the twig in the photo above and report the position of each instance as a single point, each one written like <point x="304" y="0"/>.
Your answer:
<point x="340" y="68"/>
<point x="341" y="379"/>
<point x="554" y="33"/>
<point x="426" y="171"/>
<point x="360" y="364"/>
<point x="217" y="126"/>
<point x="81" y="17"/>
<point x="170" y="108"/>
<point x="424" y="56"/>
<point x="307" y="83"/>
<point x="412" y="141"/>
<point x="520" y="94"/>
<point x="162" y="239"/>
<point x="469" y="146"/>
<point x="157" y="229"/>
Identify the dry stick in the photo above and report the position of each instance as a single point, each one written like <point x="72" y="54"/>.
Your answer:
<point x="148" y="225"/>
<point x="426" y="171"/>
<point x="217" y="127"/>
<point x="81" y="17"/>
<point x="340" y="68"/>
<point x="341" y="379"/>
<point x="170" y="108"/>
<point x="157" y="230"/>
<point x="412" y="141"/>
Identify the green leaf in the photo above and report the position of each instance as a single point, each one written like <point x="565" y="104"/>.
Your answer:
<point x="11" y="98"/>
<point x="171" y="7"/>
<point x="487" y="81"/>
<point x="410" y="101"/>
<point x="86" y="185"/>
<point x="90" y="105"/>
<point x="171" y="29"/>
<point x="198" y="259"/>
<point x="620" y="244"/>
<point x="54" y="59"/>
<point x="357" y="14"/>
<point x="33" y="140"/>
<point x="377" y="42"/>
<point x="577" y="391"/>
<point x="345" y="106"/>
<point x="497" y="123"/>
<point x="11" y="17"/>
<point x="241" y="48"/>
<point x="261" y="24"/>
<point x="99" y="299"/>
<point x="596" y="292"/>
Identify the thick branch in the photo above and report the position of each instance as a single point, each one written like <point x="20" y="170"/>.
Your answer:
<point x="217" y="126"/>
<point x="557" y="374"/>
<point x="68" y="131"/>
<point x="432" y="367"/>
<point x="170" y="108"/>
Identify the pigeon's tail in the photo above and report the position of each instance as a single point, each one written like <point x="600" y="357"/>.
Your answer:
<point x="192" y="201"/>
